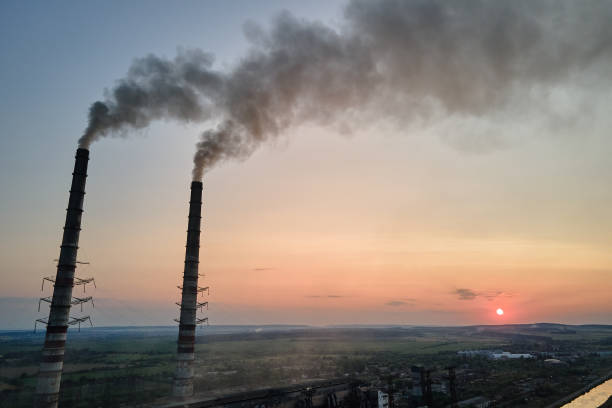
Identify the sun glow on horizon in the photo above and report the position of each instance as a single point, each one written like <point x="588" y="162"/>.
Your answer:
<point x="499" y="311"/>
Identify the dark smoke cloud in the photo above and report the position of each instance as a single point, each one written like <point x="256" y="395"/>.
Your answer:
<point x="156" y="88"/>
<point x="393" y="59"/>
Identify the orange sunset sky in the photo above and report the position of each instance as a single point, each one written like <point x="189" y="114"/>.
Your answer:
<point x="321" y="231"/>
<point x="437" y="221"/>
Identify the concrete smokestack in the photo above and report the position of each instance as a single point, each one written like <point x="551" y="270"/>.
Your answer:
<point x="52" y="361"/>
<point x="183" y="378"/>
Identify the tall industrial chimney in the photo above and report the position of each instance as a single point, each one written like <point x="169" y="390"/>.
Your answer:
<point x="52" y="361"/>
<point x="183" y="378"/>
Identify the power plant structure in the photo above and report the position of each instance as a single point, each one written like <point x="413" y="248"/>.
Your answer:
<point x="183" y="378"/>
<point x="59" y="318"/>
<point x="52" y="360"/>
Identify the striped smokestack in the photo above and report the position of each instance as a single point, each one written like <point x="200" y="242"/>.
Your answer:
<point x="183" y="379"/>
<point x="52" y="361"/>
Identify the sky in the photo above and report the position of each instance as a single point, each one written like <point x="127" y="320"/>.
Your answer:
<point x="437" y="219"/>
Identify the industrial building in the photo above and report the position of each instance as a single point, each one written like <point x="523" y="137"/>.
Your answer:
<point x="328" y="394"/>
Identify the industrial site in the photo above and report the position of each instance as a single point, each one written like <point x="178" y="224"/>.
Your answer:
<point x="241" y="366"/>
<point x="352" y="204"/>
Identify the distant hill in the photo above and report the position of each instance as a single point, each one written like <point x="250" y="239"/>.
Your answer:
<point x="538" y="332"/>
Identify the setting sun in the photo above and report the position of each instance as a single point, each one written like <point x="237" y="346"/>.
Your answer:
<point x="500" y="312"/>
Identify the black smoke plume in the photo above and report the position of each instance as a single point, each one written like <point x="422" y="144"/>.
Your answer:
<point x="389" y="58"/>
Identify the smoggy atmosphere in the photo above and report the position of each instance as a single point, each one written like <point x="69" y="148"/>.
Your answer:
<point x="389" y="162"/>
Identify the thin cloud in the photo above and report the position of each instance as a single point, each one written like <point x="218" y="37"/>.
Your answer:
<point x="401" y="302"/>
<point x="325" y="296"/>
<point x="262" y="269"/>
<point x="396" y="303"/>
<point x="469" y="294"/>
<point x="466" y="294"/>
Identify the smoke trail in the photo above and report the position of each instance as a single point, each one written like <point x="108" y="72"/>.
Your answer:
<point x="155" y="88"/>
<point x="388" y="59"/>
